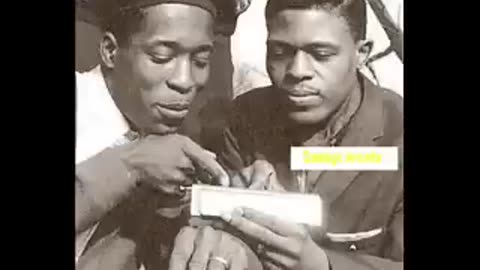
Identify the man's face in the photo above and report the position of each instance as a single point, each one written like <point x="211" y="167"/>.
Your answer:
<point x="312" y="60"/>
<point x="163" y="66"/>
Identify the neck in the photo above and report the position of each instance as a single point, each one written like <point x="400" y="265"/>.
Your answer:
<point x="107" y="76"/>
<point x="112" y="89"/>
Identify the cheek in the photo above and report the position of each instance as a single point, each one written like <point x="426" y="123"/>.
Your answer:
<point x="149" y="75"/>
<point x="337" y="77"/>
<point x="276" y="70"/>
<point x="200" y="75"/>
<point x="148" y="81"/>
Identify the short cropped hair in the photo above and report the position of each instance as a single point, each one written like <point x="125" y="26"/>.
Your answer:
<point x="353" y="11"/>
<point x="123" y="23"/>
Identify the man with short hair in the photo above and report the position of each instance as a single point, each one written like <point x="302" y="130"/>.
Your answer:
<point x="315" y="49"/>
<point x="384" y="28"/>
<point x="131" y="165"/>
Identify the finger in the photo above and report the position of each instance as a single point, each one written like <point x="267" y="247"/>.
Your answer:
<point x="211" y="154"/>
<point x="183" y="249"/>
<point x="238" y="264"/>
<point x="261" y="174"/>
<point x="214" y="264"/>
<point x="227" y="250"/>
<point x="260" y="180"/>
<point x="172" y="183"/>
<point x="186" y="165"/>
<point x="206" y="162"/>
<point x="240" y="260"/>
<point x="242" y="178"/>
<point x="280" y="259"/>
<point x="256" y="231"/>
<point x="204" y="244"/>
<point x="238" y="181"/>
<point x="170" y="187"/>
<point x="317" y="233"/>
<point x="270" y="266"/>
<point x="273" y="223"/>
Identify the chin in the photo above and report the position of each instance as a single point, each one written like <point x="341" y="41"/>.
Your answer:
<point x="307" y="117"/>
<point x="162" y="129"/>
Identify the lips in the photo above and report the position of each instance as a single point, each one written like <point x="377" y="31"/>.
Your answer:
<point x="172" y="110"/>
<point x="302" y="92"/>
<point x="176" y="106"/>
<point x="302" y="98"/>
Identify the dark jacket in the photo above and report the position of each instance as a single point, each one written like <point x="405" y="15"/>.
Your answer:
<point x="357" y="201"/>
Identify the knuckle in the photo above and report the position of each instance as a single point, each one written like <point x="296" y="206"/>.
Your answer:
<point x="186" y="231"/>
<point x="176" y="176"/>
<point x="195" y="264"/>
<point x="208" y="230"/>
<point x="263" y="165"/>
<point x="205" y="233"/>
<point x="184" y="162"/>
<point x="167" y="189"/>
<point x="296" y="249"/>
<point x="179" y="256"/>
<point x="266" y="240"/>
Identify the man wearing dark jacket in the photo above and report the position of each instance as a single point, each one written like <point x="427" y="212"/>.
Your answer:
<point x="318" y="98"/>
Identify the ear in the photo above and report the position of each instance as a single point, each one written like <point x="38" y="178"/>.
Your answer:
<point x="364" y="49"/>
<point x="108" y="49"/>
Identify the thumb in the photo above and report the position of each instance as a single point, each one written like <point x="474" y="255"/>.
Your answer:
<point x="242" y="178"/>
<point x="262" y="173"/>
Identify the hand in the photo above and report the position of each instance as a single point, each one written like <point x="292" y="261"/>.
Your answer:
<point x="169" y="161"/>
<point x="260" y="175"/>
<point x="207" y="248"/>
<point x="285" y="245"/>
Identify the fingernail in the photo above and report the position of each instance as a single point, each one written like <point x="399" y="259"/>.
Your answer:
<point x="226" y="216"/>
<point x="225" y="181"/>
<point x="267" y="184"/>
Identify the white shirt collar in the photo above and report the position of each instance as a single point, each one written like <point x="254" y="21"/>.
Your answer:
<point x="99" y="123"/>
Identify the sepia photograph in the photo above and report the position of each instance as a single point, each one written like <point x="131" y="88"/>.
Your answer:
<point x="239" y="134"/>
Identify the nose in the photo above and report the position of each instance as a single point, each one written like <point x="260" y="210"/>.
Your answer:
<point x="181" y="79"/>
<point x="300" y="68"/>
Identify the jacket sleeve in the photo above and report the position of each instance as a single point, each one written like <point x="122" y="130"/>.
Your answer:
<point x="390" y="254"/>
<point x="391" y="259"/>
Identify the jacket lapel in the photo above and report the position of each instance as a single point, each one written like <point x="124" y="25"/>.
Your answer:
<point x="365" y="128"/>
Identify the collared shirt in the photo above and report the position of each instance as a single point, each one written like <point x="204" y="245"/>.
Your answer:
<point x="99" y="125"/>
<point x="364" y="208"/>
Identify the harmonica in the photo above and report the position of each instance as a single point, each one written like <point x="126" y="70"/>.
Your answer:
<point x="213" y="201"/>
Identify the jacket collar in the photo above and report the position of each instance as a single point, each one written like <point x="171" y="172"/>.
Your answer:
<point x="367" y="124"/>
<point x="364" y="129"/>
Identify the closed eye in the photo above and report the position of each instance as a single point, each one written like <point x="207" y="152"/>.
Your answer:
<point x="161" y="59"/>
<point x="202" y="59"/>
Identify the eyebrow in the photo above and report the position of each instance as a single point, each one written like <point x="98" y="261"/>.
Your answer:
<point x="311" y="45"/>
<point x="175" y="45"/>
